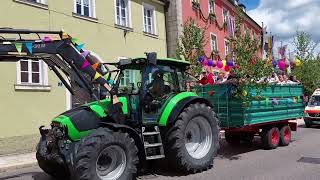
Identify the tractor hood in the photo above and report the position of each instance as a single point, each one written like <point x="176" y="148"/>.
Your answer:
<point x="79" y="121"/>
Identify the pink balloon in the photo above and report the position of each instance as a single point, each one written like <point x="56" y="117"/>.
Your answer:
<point x="282" y="65"/>
<point x="219" y="64"/>
<point x="205" y="62"/>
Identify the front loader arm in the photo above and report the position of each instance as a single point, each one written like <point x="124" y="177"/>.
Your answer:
<point x="15" y="49"/>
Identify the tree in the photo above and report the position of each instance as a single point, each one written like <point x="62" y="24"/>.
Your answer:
<point x="304" y="46"/>
<point x="191" y="43"/>
<point x="309" y="71"/>
<point x="250" y="67"/>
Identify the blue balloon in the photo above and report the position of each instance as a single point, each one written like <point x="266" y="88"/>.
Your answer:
<point x="201" y="58"/>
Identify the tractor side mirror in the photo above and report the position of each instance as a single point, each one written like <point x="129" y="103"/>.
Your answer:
<point x="152" y="58"/>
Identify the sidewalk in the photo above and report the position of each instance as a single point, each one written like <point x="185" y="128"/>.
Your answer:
<point x="17" y="161"/>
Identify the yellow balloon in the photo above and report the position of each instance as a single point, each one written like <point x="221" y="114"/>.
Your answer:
<point x="224" y="62"/>
<point x="298" y="62"/>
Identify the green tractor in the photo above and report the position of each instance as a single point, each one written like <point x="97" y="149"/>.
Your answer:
<point x="124" y="124"/>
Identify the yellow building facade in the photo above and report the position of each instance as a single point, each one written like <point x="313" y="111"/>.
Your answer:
<point x="30" y="94"/>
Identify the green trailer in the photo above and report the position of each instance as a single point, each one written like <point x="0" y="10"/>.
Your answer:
<point x="268" y="112"/>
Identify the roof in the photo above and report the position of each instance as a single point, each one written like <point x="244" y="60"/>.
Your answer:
<point x="245" y="13"/>
<point x="169" y="61"/>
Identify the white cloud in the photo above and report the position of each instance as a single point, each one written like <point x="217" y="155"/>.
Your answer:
<point x="284" y="17"/>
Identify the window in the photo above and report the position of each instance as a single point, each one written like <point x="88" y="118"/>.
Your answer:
<point x="214" y="46"/>
<point x="127" y="78"/>
<point x="39" y="1"/>
<point x="225" y="14"/>
<point x="252" y="34"/>
<point x="31" y="72"/>
<point x="211" y="6"/>
<point x="85" y="8"/>
<point x="227" y="47"/>
<point x="122" y="12"/>
<point x="149" y="19"/>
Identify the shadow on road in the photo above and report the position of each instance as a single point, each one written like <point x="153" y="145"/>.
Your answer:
<point x="233" y="152"/>
<point x="30" y="175"/>
<point x="163" y="168"/>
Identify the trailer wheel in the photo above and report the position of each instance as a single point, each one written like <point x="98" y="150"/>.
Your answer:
<point x="285" y="135"/>
<point x="193" y="140"/>
<point x="106" y="155"/>
<point x="247" y="138"/>
<point x="307" y="123"/>
<point x="270" y="138"/>
<point x="232" y="138"/>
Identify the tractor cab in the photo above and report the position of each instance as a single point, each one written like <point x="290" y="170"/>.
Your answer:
<point x="148" y="84"/>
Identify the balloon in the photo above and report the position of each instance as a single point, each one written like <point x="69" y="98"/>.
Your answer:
<point x="201" y="58"/>
<point x="224" y="63"/>
<point x="297" y="62"/>
<point x="230" y="63"/>
<point x="227" y="68"/>
<point x="214" y="63"/>
<point x="274" y="63"/>
<point x="219" y="64"/>
<point x="205" y="62"/>
<point x="282" y="65"/>
<point x="210" y="62"/>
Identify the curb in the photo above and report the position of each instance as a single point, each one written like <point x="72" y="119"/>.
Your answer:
<point x="17" y="161"/>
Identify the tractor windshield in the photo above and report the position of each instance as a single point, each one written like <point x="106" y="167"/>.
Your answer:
<point x="130" y="81"/>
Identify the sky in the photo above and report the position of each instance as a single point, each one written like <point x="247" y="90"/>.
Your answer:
<point x="284" y="17"/>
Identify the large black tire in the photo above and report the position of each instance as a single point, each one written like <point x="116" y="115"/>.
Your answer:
<point x="270" y="138"/>
<point x="179" y="136"/>
<point x="90" y="160"/>
<point x="232" y="138"/>
<point x="51" y="167"/>
<point x="285" y="135"/>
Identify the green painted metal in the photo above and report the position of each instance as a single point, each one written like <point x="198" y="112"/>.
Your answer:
<point x="172" y="104"/>
<point x="99" y="106"/>
<point x="73" y="133"/>
<point x="234" y="113"/>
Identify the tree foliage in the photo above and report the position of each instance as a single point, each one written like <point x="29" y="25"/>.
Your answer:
<point x="309" y="71"/>
<point x="250" y="67"/>
<point x="191" y="43"/>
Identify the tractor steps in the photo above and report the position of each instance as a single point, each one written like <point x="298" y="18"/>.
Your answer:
<point x="152" y="143"/>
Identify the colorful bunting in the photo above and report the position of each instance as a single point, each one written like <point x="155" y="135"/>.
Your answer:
<point x="85" y="53"/>
<point x="64" y="35"/>
<point x="85" y="64"/>
<point x="74" y="41"/>
<point x="96" y="76"/>
<point x="29" y="47"/>
<point x="46" y="39"/>
<point x="18" y="47"/>
<point x="80" y="46"/>
<point x="95" y="66"/>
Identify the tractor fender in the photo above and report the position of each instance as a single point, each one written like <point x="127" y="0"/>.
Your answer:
<point x="183" y="104"/>
<point x="132" y="132"/>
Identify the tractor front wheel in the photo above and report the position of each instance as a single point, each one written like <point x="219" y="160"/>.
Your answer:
<point x="193" y="140"/>
<point x="106" y="154"/>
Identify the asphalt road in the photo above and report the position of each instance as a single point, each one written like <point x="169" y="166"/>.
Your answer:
<point x="299" y="161"/>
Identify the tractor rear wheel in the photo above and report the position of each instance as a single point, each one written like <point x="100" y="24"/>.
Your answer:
<point x="106" y="155"/>
<point x="193" y="140"/>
